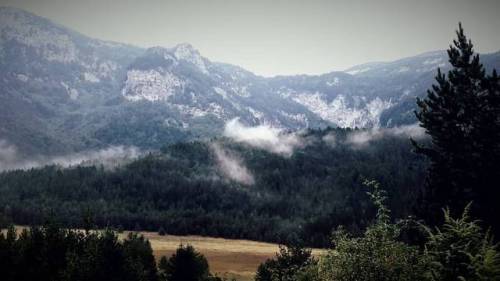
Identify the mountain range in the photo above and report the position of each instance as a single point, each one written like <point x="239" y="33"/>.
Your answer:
<point x="61" y="91"/>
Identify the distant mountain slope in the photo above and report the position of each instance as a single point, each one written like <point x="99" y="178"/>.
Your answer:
<point x="62" y="91"/>
<point x="52" y="80"/>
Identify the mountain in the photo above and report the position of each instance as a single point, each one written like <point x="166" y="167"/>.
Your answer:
<point x="62" y="91"/>
<point x="53" y="79"/>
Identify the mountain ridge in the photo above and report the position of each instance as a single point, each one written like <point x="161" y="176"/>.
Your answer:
<point x="64" y="91"/>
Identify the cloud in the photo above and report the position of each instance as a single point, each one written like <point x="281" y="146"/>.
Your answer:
<point x="360" y="139"/>
<point x="232" y="166"/>
<point x="414" y="131"/>
<point x="109" y="157"/>
<point x="330" y="139"/>
<point x="363" y="138"/>
<point x="8" y="153"/>
<point x="264" y="137"/>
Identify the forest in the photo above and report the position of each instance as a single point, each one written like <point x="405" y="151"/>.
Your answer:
<point x="180" y="189"/>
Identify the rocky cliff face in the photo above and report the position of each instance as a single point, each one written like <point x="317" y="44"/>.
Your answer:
<point x="63" y="91"/>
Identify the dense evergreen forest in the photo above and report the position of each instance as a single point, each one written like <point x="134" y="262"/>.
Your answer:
<point x="181" y="190"/>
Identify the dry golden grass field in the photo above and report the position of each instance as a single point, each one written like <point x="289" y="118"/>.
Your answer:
<point x="226" y="257"/>
<point x="232" y="258"/>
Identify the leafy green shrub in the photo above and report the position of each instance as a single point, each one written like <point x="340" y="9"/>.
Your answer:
<point x="376" y="255"/>
<point x="291" y="263"/>
<point x="460" y="250"/>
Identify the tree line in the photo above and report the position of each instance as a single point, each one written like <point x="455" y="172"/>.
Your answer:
<point x="50" y="253"/>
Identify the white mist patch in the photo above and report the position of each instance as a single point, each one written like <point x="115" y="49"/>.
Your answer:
<point x="362" y="138"/>
<point x="232" y="166"/>
<point x="8" y="153"/>
<point x="330" y="139"/>
<point x="414" y="131"/>
<point x="110" y="157"/>
<point x="264" y="137"/>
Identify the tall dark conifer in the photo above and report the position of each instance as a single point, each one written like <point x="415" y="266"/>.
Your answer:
<point x="461" y="114"/>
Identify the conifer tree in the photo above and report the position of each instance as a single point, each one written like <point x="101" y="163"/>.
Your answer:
<point x="461" y="114"/>
<point x="186" y="264"/>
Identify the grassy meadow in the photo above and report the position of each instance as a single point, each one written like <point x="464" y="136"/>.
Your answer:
<point x="226" y="257"/>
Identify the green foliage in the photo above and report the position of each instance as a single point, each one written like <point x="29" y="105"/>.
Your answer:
<point x="186" y="264"/>
<point x="462" y="115"/>
<point x="376" y="255"/>
<point x="182" y="190"/>
<point x="139" y="255"/>
<point x="291" y="263"/>
<point x="52" y="253"/>
<point x="162" y="268"/>
<point x="460" y="250"/>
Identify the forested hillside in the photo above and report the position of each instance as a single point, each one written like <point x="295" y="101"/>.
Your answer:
<point x="184" y="190"/>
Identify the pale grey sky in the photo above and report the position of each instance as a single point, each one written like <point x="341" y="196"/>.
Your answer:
<point x="282" y="37"/>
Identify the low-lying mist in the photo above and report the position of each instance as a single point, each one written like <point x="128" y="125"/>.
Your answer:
<point x="272" y="139"/>
<point x="111" y="157"/>
<point x="265" y="137"/>
<point x="231" y="165"/>
<point x="276" y="140"/>
<point x="361" y="138"/>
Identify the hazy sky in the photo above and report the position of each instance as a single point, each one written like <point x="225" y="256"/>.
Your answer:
<point x="282" y="37"/>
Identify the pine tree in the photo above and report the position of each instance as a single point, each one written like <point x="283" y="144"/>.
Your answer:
<point x="186" y="264"/>
<point x="461" y="114"/>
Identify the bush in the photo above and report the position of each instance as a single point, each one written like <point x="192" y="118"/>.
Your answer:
<point x="291" y="263"/>
<point x="460" y="250"/>
<point x="376" y="255"/>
